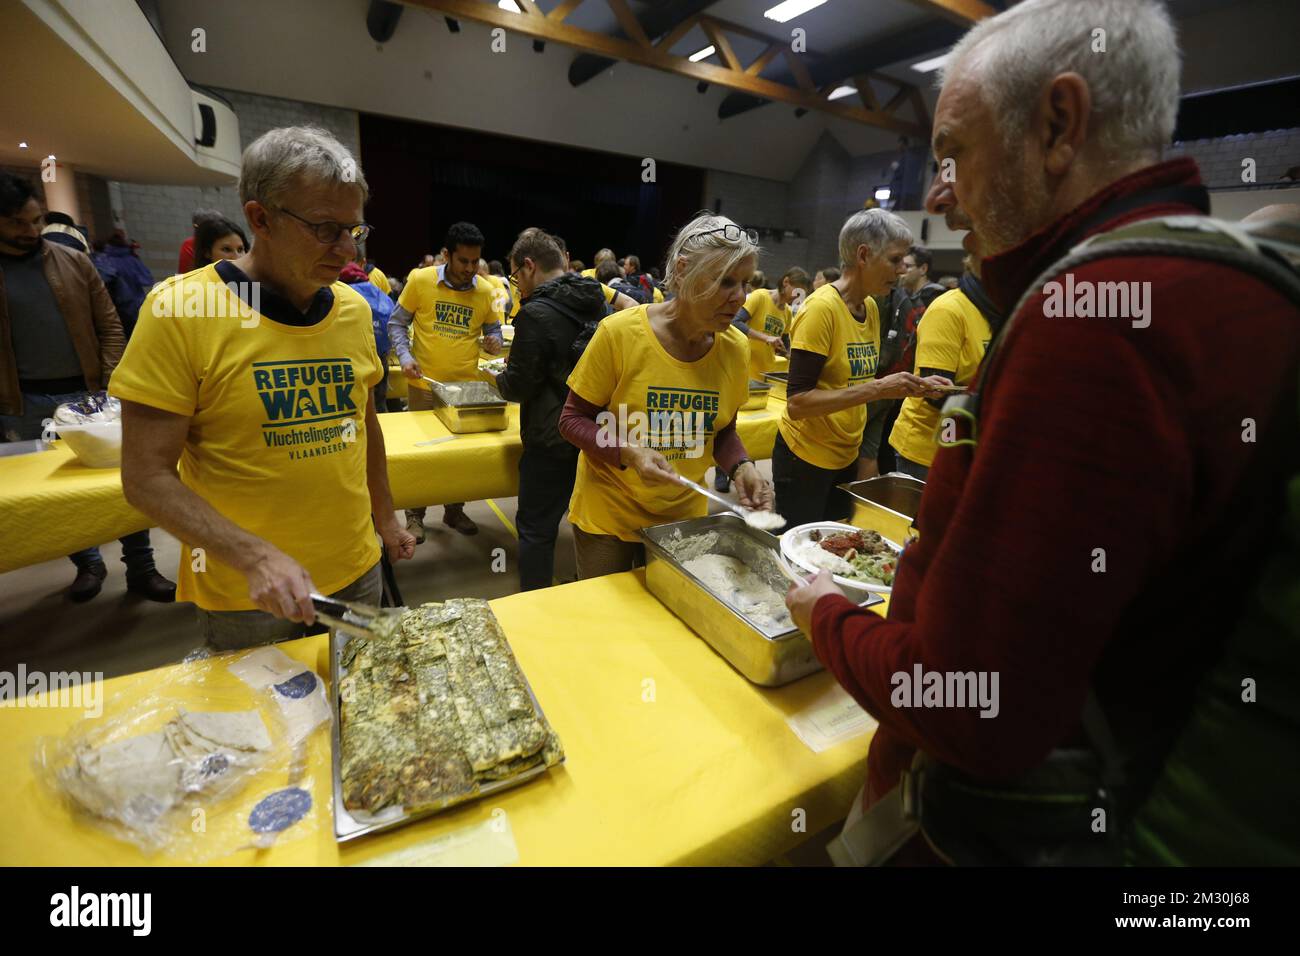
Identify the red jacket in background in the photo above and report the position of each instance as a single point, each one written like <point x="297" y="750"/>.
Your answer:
<point x="186" y="262"/>
<point x="1094" y="435"/>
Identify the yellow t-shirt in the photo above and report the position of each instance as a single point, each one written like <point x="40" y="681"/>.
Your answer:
<point x="852" y="350"/>
<point x="952" y="335"/>
<point x="272" y="411"/>
<point x="379" y="279"/>
<point x="445" y="330"/>
<point x="767" y="315"/>
<point x="589" y="273"/>
<point x="655" y="401"/>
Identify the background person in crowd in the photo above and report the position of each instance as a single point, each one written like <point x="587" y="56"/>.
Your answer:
<point x="283" y="480"/>
<point x="60" y="228"/>
<point x="916" y="276"/>
<point x="765" y="319"/>
<point x="127" y="279"/>
<point x="444" y="309"/>
<point x="373" y="273"/>
<point x="559" y="307"/>
<point x="950" y="342"/>
<point x="823" y="276"/>
<point x="60" y="337"/>
<point x="638" y="279"/>
<point x="381" y="310"/>
<point x="499" y="285"/>
<point x="1111" y="458"/>
<point x="602" y="256"/>
<point x="834" y="352"/>
<point x="216" y="237"/>
<point x="577" y="266"/>
<point x="185" y="259"/>
<point x="679" y="357"/>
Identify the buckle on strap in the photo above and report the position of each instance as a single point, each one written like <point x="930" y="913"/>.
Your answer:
<point x="909" y="788"/>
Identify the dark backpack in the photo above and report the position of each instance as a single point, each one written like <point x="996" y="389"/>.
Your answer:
<point x="634" y="290"/>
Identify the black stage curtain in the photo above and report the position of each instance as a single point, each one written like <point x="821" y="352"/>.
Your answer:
<point x="424" y="177"/>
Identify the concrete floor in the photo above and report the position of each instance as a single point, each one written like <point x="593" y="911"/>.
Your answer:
<point x="120" y="633"/>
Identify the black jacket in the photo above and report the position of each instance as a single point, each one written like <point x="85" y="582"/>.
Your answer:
<point x="541" y="356"/>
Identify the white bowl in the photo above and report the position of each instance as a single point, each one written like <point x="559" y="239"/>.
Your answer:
<point x="849" y="585"/>
<point x="96" y="445"/>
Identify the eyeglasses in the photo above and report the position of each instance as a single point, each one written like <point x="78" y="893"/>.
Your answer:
<point x="731" y="233"/>
<point x="328" y="232"/>
<point x="514" y="276"/>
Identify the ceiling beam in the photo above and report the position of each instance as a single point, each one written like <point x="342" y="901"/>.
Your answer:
<point x="672" y="20"/>
<point x="541" y="28"/>
<point x="560" y="13"/>
<point x="961" y="12"/>
<point x="628" y="21"/>
<point x="911" y="44"/>
<point x="763" y="59"/>
<point x="721" y="44"/>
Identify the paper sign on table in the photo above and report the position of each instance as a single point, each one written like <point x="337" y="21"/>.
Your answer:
<point x="832" y="718"/>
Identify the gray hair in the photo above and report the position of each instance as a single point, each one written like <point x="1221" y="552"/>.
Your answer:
<point x="1134" y="83"/>
<point x="873" y="228"/>
<point x="275" y="160"/>
<point x="708" y="258"/>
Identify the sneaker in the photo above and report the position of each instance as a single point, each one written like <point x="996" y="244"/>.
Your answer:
<point x="721" y="482"/>
<point x="459" y="521"/>
<point x="416" y="527"/>
<point x="152" y="586"/>
<point x="88" y="582"/>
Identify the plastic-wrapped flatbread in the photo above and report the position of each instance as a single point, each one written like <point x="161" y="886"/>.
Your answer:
<point x="238" y="730"/>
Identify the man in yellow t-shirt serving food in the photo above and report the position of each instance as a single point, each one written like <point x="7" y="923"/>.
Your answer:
<point x="248" y="430"/>
<point x="435" y="331"/>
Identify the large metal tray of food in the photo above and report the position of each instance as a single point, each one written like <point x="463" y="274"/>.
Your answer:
<point x="430" y="712"/>
<point x="887" y="504"/>
<point x="758" y="395"/>
<point x="721" y="577"/>
<point x="779" y="382"/>
<point x="468" y="407"/>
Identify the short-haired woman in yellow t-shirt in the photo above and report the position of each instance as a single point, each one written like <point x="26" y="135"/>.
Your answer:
<point x="834" y="350"/>
<point x="656" y="393"/>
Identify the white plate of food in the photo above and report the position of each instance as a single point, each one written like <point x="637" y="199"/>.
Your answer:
<point x="856" y="558"/>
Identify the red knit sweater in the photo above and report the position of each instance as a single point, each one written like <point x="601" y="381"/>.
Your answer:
<point x="1095" y="434"/>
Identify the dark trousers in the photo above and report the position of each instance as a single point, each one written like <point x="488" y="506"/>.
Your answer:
<point x="546" y="478"/>
<point x="137" y="553"/>
<point x="806" y="493"/>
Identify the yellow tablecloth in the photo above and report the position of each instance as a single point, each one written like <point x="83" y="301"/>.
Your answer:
<point x="51" y="505"/>
<point x="708" y="772"/>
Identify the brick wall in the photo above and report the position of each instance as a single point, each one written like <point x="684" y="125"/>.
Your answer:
<point x="158" y="217"/>
<point x="1221" y="159"/>
<point x="752" y="201"/>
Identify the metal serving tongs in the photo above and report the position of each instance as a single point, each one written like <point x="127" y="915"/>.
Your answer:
<point x="351" y="617"/>
<point x="449" y="389"/>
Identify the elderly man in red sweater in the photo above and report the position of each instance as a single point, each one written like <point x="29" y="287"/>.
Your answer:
<point x="1095" y="555"/>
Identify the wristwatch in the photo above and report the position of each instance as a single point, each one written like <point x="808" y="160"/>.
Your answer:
<point x="736" y="467"/>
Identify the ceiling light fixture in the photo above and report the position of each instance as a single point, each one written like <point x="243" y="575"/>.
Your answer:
<point x="22" y="145"/>
<point x="509" y="5"/>
<point x="841" y="92"/>
<point x="784" y="12"/>
<point x="704" y="54"/>
<point x="930" y="65"/>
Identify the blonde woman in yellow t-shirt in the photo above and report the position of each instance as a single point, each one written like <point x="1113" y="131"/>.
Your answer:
<point x="834" y="350"/>
<point x="655" y="394"/>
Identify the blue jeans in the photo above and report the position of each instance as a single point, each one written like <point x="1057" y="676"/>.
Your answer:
<point x="137" y="553"/>
<point x="911" y="468"/>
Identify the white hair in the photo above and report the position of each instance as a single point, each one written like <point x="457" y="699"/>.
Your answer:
<point x="708" y="256"/>
<point x="873" y="228"/>
<point x="283" y="158"/>
<point x="1134" y="82"/>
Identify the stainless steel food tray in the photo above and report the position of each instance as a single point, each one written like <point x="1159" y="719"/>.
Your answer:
<point x="779" y="382"/>
<point x="887" y="503"/>
<point x="346" y="827"/>
<point x="767" y="660"/>
<point x="475" y="407"/>
<point x="758" y="395"/>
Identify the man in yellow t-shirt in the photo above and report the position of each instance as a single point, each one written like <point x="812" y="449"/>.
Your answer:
<point x="834" y="351"/>
<point x="446" y="307"/>
<point x="249" y="431"/>
<point x="951" y="339"/>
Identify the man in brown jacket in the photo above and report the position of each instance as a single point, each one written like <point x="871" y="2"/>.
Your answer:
<point x="59" y="338"/>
